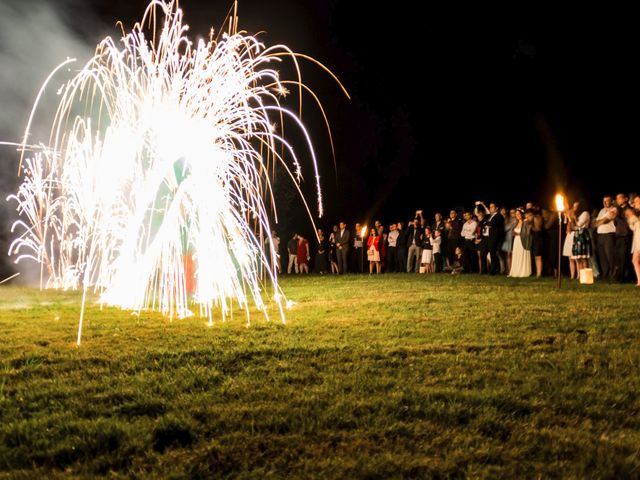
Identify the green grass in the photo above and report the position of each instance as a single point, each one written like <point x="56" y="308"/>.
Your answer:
<point x="389" y="377"/>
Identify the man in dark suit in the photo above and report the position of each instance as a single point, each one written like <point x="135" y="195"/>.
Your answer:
<point x="482" y="239"/>
<point x="401" y="248"/>
<point x="622" y="245"/>
<point x="439" y="225"/>
<point x="495" y="225"/>
<point x="392" y="243"/>
<point x="342" y="247"/>
<point x="454" y="234"/>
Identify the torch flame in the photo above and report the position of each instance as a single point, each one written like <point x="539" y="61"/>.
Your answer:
<point x="559" y="203"/>
<point x="363" y="232"/>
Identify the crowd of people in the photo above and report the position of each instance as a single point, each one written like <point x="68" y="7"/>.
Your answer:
<point x="518" y="242"/>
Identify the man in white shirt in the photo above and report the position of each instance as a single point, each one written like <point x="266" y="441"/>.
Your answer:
<point x="606" y="237"/>
<point x="392" y="239"/>
<point x="469" y="228"/>
<point x="414" y="246"/>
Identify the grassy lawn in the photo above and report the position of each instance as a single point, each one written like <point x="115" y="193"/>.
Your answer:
<point x="389" y="377"/>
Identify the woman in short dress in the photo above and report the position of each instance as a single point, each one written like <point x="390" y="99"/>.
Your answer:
<point x="581" y="251"/>
<point x="333" y="256"/>
<point x="427" y="251"/>
<point x="303" y="254"/>
<point x="538" y="244"/>
<point x="373" y="251"/>
<point x="521" y="254"/>
<point x="634" y="225"/>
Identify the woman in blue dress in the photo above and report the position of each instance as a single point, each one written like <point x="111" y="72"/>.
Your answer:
<point x="507" y="245"/>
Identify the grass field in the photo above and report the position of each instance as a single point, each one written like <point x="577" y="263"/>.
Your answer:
<point x="388" y="377"/>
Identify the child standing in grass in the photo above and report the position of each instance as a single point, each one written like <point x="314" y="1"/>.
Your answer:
<point x="435" y="245"/>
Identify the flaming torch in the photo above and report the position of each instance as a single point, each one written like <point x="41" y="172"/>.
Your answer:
<point x="560" y="208"/>
<point x="363" y="232"/>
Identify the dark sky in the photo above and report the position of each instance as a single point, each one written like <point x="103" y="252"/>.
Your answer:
<point x="450" y="105"/>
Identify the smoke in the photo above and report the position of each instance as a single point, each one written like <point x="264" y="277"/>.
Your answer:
<point x="35" y="37"/>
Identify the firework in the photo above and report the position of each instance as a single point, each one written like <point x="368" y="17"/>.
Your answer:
<point x="156" y="179"/>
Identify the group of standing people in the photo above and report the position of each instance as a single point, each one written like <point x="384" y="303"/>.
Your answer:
<point x="519" y="242"/>
<point x="606" y="240"/>
<point x="299" y="256"/>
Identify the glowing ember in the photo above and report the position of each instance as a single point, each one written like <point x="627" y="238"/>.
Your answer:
<point x="156" y="180"/>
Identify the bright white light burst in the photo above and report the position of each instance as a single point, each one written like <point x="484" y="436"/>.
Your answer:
<point x="159" y="163"/>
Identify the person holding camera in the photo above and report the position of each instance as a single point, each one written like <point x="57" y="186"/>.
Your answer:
<point x="482" y="240"/>
<point x="414" y="250"/>
<point x="401" y="248"/>
<point x="495" y="226"/>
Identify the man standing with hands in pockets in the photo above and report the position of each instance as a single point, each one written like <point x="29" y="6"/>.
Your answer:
<point x="342" y="248"/>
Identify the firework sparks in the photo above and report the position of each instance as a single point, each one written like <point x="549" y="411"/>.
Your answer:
<point x="164" y="173"/>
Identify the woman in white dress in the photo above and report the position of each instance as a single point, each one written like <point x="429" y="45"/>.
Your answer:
<point x="634" y="225"/>
<point x="567" y="249"/>
<point x="521" y="255"/>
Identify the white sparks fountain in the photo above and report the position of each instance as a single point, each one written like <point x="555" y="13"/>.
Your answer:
<point x="156" y="181"/>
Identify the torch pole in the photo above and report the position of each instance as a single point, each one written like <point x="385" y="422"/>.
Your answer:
<point x="559" y="249"/>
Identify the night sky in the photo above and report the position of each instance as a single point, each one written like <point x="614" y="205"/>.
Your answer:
<point x="512" y="104"/>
